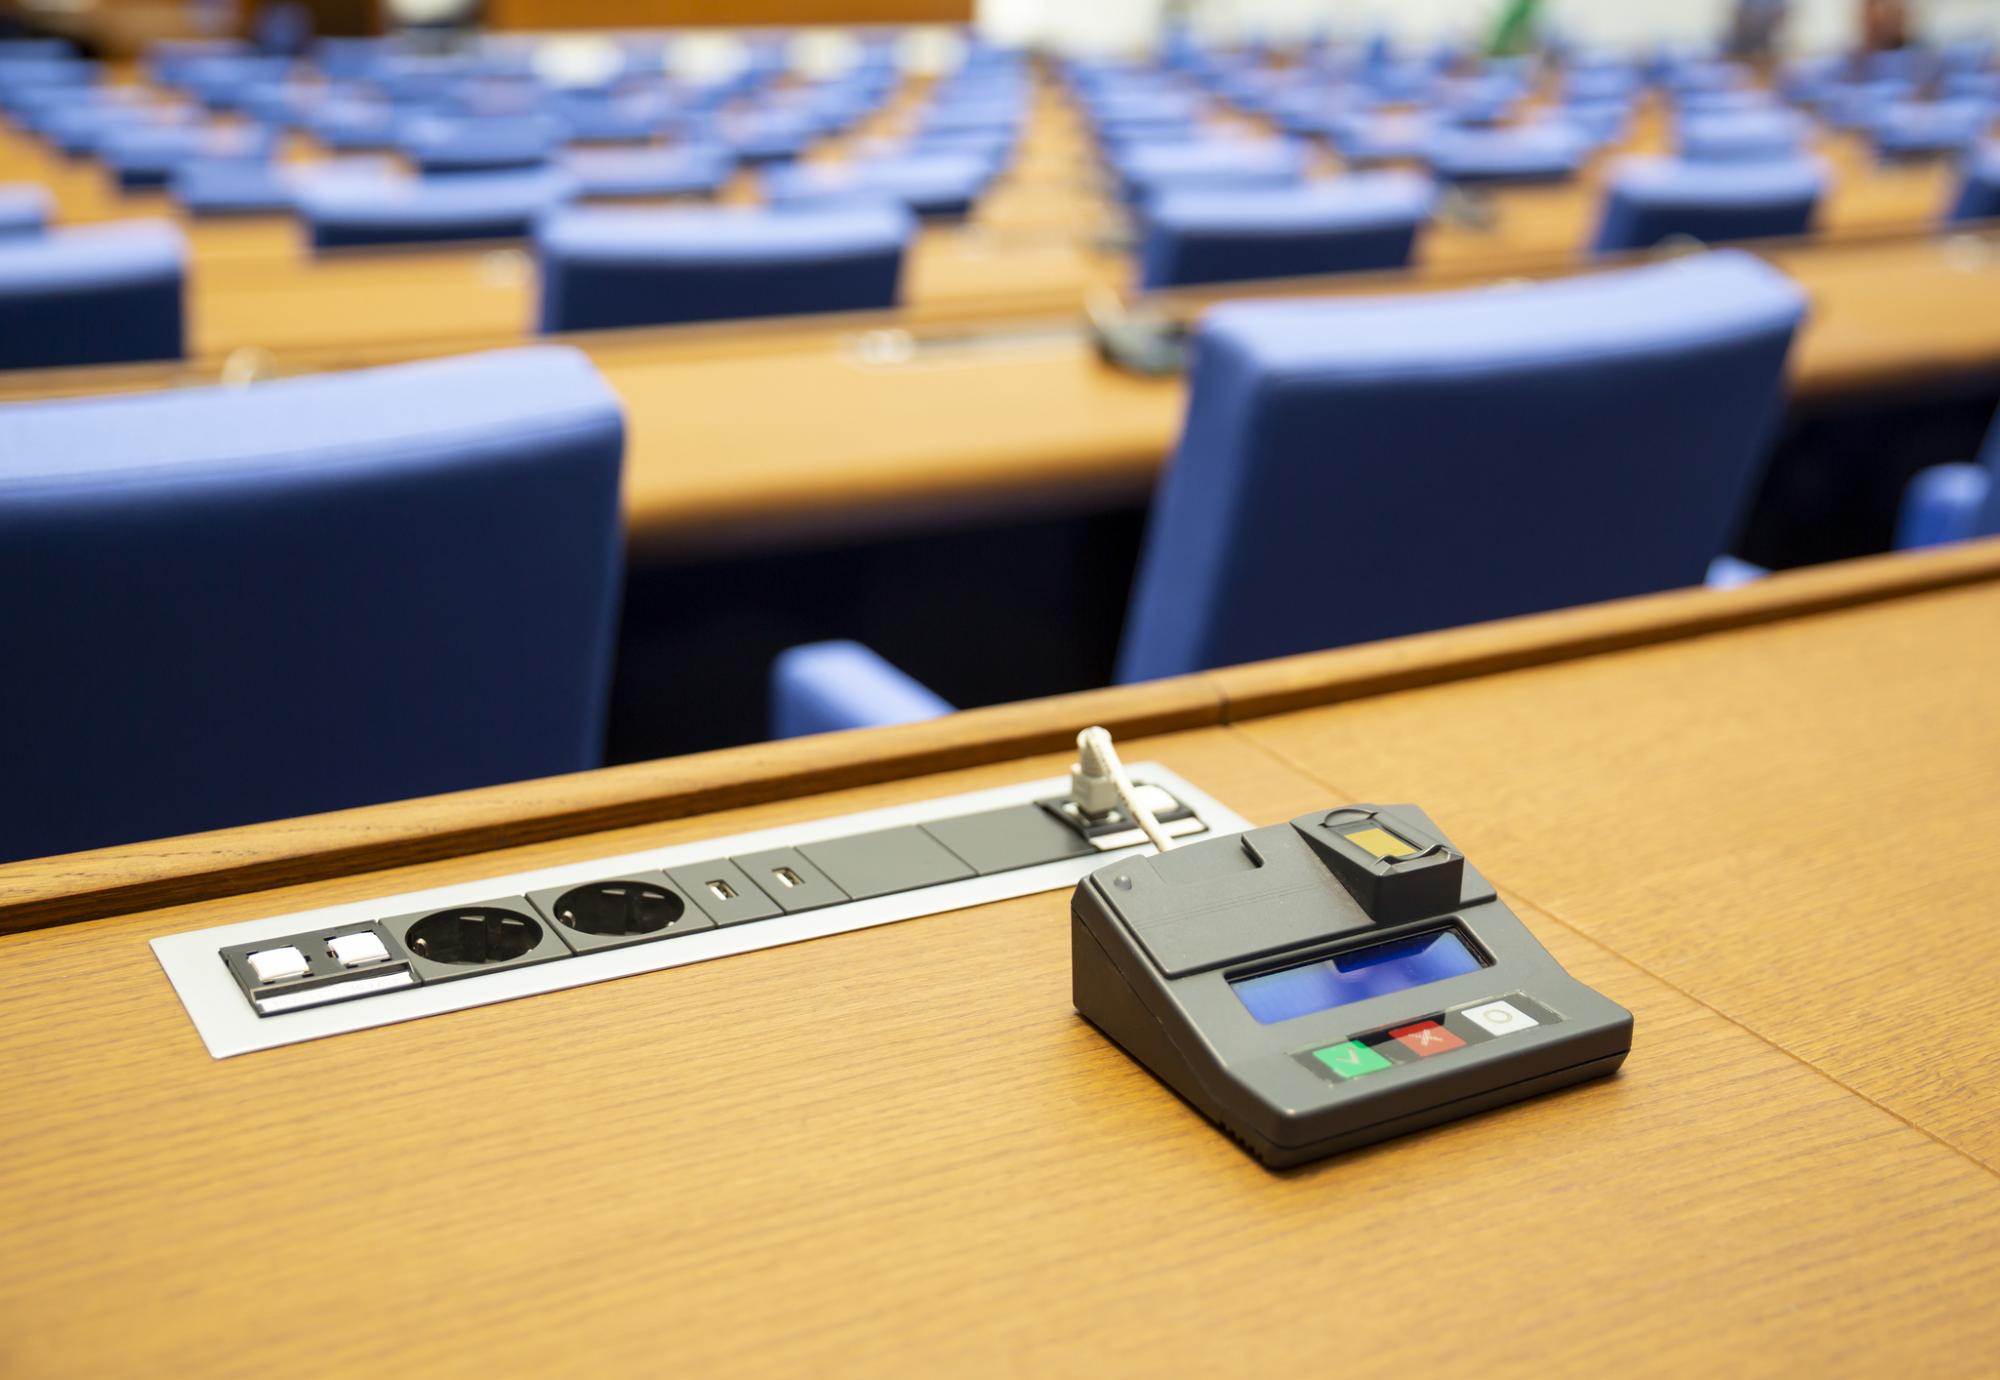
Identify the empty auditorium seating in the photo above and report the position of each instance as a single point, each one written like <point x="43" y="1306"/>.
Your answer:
<point x="25" y="208"/>
<point x="1360" y="222"/>
<point x="342" y="210"/>
<point x="1216" y="165"/>
<point x="310" y="594"/>
<point x="1648" y="200"/>
<point x="1356" y="470"/>
<point x="95" y="294"/>
<point x="621" y="173"/>
<point x="604" y="267"/>
<point x="930" y="185"/>
<point x="1742" y="137"/>
<point x="1538" y="153"/>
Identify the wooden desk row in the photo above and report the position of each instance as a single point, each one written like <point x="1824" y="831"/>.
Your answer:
<point x="1762" y="820"/>
<point x="773" y="434"/>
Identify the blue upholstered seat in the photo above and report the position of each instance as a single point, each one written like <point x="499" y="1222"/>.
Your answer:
<point x="1648" y="200"/>
<point x="1909" y="129"/>
<point x="344" y="211"/>
<point x="1214" y="165"/>
<point x="1741" y="138"/>
<point x="942" y="184"/>
<point x="231" y="187"/>
<point x="1954" y="502"/>
<point x="256" y="603"/>
<point x="606" y="267"/>
<point x="1947" y="503"/>
<point x="96" y="294"/>
<point x="25" y="208"/>
<point x="147" y="156"/>
<point x="1550" y="152"/>
<point x="1361" y="469"/>
<point x="462" y="145"/>
<point x="1366" y="140"/>
<point x="1978" y="196"/>
<point x="1355" y="223"/>
<point x="686" y="170"/>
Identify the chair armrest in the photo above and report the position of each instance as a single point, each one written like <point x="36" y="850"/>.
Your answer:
<point x="1942" y="504"/>
<point x="1727" y="572"/>
<point x="824" y="687"/>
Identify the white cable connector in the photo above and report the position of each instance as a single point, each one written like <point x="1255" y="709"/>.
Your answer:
<point x="1099" y="785"/>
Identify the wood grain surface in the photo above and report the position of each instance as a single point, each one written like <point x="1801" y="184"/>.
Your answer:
<point x="898" y="1152"/>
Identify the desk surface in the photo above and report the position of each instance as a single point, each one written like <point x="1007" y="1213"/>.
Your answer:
<point x="899" y="1151"/>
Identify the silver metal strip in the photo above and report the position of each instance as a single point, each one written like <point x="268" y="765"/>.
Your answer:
<point x="228" y="1026"/>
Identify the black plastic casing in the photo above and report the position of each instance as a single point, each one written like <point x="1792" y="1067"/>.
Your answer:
<point x="1156" y="941"/>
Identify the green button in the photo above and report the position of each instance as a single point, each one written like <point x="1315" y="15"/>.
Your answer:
<point x="1352" y="1059"/>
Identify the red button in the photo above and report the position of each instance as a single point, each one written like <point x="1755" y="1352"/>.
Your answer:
<point x="1427" y="1038"/>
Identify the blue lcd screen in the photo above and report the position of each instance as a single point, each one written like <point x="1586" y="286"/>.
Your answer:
<point x="1355" y="976"/>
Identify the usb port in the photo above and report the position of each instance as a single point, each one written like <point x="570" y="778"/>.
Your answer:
<point x="721" y="890"/>
<point x="787" y="878"/>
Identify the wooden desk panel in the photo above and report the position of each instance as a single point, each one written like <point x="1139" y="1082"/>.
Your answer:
<point x="1796" y="824"/>
<point x="898" y="1151"/>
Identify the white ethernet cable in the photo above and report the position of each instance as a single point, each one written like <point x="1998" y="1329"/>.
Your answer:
<point x="1099" y="785"/>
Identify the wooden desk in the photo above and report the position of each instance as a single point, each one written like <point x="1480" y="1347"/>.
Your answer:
<point x="748" y="436"/>
<point x="899" y="1152"/>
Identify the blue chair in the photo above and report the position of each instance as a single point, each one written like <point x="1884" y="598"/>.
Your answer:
<point x="144" y="158"/>
<point x="1648" y="200"/>
<point x="231" y="187"/>
<point x="1365" y="141"/>
<point x="1742" y="138"/>
<point x="207" y="187"/>
<point x="447" y="145"/>
<point x="1357" y="223"/>
<point x="343" y="211"/>
<point x="1947" y="503"/>
<point x="933" y="186"/>
<point x="1550" y="152"/>
<point x="1978" y="196"/>
<point x="609" y="267"/>
<point x="345" y="124"/>
<point x="256" y="603"/>
<point x="627" y="174"/>
<point x="95" y="294"/>
<point x="1955" y="502"/>
<point x="25" y="208"/>
<point x="1912" y="129"/>
<point x="1362" y="469"/>
<point x="1209" y="165"/>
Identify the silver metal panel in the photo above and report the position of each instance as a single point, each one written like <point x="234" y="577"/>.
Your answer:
<point x="228" y="1026"/>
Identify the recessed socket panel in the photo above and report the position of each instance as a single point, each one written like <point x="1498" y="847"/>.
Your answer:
<point x="258" y="984"/>
<point x="465" y="941"/>
<point x="625" y="910"/>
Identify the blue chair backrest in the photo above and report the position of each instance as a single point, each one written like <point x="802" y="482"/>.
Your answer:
<point x="24" y="208"/>
<point x="344" y="210"/>
<point x="1365" y="469"/>
<point x="1361" y="222"/>
<point x="255" y="603"/>
<point x="98" y="294"/>
<point x="1978" y="196"/>
<point x="606" y="267"/>
<point x="1648" y="200"/>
